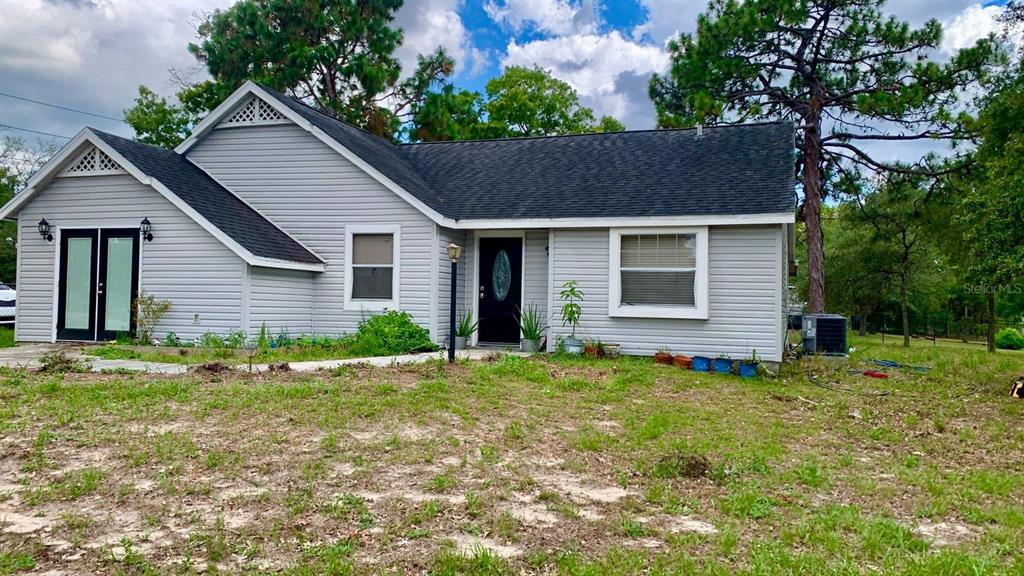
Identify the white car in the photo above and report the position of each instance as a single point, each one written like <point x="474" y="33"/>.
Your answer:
<point x="7" y="297"/>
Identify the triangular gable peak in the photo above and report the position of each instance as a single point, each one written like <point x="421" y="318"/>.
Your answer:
<point x="253" y="112"/>
<point x="92" y="162"/>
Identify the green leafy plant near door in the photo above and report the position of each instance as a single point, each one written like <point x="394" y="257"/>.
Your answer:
<point x="571" y="313"/>
<point x="532" y="327"/>
<point x="465" y="329"/>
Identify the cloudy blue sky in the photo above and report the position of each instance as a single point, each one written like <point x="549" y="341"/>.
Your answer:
<point x="92" y="54"/>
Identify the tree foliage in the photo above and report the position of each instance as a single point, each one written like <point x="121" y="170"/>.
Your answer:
<point x="336" y="55"/>
<point x="842" y="70"/>
<point x="18" y="161"/>
<point x="520" y="102"/>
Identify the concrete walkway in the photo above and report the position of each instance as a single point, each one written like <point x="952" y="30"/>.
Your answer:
<point x="383" y="361"/>
<point x="28" y="355"/>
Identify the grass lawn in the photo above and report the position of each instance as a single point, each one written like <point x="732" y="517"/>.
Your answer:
<point x="6" y="337"/>
<point x="542" y="466"/>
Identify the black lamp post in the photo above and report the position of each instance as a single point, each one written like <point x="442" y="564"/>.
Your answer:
<point x="454" y="251"/>
<point x="44" y="230"/>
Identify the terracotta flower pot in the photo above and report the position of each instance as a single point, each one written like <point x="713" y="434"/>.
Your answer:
<point x="683" y="361"/>
<point x="662" y="357"/>
<point x="592" y="350"/>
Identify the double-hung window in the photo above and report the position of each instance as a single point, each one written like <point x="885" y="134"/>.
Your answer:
<point x="371" y="267"/>
<point x="658" y="273"/>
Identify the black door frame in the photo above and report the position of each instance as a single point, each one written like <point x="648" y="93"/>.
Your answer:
<point x="62" y="283"/>
<point x="101" y="308"/>
<point x="98" y="264"/>
<point x="503" y="235"/>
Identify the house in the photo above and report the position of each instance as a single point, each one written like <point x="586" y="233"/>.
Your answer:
<point x="272" y="213"/>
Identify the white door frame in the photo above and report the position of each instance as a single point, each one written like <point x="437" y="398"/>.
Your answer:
<point x="475" y="292"/>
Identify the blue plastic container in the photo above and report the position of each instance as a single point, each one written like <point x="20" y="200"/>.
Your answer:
<point x="701" y="364"/>
<point x="723" y="365"/>
<point x="748" y="370"/>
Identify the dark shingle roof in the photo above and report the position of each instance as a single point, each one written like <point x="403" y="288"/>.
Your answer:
<point x="745" y="169"/>
<point x="211" y="200"/>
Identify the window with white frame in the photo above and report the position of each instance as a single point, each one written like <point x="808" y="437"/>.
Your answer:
<point x="371" y="267"/>
<point x="658" y="273"/>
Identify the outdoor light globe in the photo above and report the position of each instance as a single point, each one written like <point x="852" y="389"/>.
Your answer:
<point x="454" y="251"/>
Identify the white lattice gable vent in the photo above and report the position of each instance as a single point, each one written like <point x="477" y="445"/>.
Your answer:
<point x="93" y="162"/>
<point x="254" y="112"/>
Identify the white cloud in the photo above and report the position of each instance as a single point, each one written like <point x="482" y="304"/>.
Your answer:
<point x="89" y="55"/>
<point x="609" y="71"/>
<point x="969" y="26"/>
<point x="548" y="16"/>
<point x="427" y="25"/>
<point x="667" y="19"/>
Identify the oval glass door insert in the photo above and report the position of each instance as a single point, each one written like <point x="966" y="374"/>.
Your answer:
<point x="502" y="276"/>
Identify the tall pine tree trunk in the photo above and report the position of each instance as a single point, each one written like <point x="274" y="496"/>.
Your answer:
<point x="862" y="330"/>
<point x="991" y="297"/>
<point x="812" y="217"/>
<point x="903" y="313"/>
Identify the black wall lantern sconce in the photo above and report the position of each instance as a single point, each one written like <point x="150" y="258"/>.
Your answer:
<point x="44" y="230"/>
<point x="145" y="229"/>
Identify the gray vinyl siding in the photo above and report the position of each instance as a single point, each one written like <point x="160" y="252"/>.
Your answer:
<point x="744" y="296"/>
<point x="447" y="236"/>
<point x="536" y="284"/>
<point x="283" y="299"/>
<point x="312" y="192"/>
<point x="183" y="263"/>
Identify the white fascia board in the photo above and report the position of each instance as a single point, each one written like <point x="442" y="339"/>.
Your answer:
<point x="603" y="222"/>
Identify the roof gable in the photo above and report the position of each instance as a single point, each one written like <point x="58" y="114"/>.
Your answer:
<point x="254" y="238"/>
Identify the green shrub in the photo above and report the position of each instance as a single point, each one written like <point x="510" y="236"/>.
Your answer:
<point x="171" y="339"/>
<point x="389" y="334"/>
<point x="211" y="340"/>
<point x="1010" y="339"/>
<point x="235" y="339"/>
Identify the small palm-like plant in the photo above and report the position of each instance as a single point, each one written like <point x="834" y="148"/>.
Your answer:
<point x="466" y="326"/>
<point x="571" y="310"/>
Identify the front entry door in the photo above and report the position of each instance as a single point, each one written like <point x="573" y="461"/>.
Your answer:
<point x="97" y="283"/>
<point x="501" y="289"/>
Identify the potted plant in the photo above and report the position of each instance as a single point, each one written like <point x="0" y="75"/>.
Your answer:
<point x="593" y="347"/>
<point x="663" y="356"/>
<point x="571" y="313"/>
<point x="464" y="330"/>
<point x="683" y="361"/>
<point x="611" y="350"/>
<point x="531" y="328"/>
<point x="701" y="364"/>
<point x="723" y="364"/>
<point x="748" y="366"/>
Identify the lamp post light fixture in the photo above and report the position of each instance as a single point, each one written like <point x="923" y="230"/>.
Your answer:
<point x="454" y="251"/>
<point x="146" y="229"/>
<point x="44" y="230"/>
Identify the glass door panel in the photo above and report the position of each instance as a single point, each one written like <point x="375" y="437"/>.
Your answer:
<point x="77" y="286"/>
<point x="118" y="273"/>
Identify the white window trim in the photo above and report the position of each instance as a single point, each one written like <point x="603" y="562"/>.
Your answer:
<point x="700" y="288"/>
<point x="356" y="304"/>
